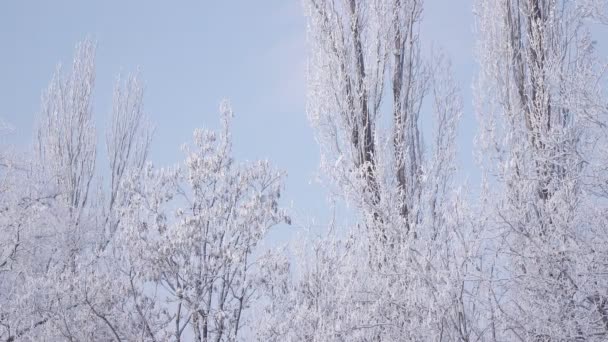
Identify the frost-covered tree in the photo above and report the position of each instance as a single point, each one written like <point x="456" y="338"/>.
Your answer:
<point x="367" y="86"/>
<point x="48" y="216"/>
<point x="543" y="115"/>
<point x="403" y="273"/>
<point x="142" y="255"/>
<point x="193" y="230"/>
<point x="53" y="216"/>
<point x="127" y="141"/>
<point x="138" y="253"/>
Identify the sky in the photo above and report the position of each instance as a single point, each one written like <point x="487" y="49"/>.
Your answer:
<point x="193" y="54"/>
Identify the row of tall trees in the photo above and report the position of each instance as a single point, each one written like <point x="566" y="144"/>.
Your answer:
<point x="132" y="252"/>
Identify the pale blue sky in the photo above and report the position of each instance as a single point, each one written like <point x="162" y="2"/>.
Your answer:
<point x="192" y="54"/>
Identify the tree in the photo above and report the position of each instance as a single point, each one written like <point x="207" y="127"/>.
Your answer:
<point x="48" y="211"/>
<point x="356" y="55"/>
<point x="201" y="254"/>
<point x="128" y="142"/>
<point x="403" y="274"/>
<point x="543" y="118"/>
<point x="52" y="215"/>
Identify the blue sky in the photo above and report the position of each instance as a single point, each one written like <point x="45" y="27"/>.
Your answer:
<point x="193" y="54"/>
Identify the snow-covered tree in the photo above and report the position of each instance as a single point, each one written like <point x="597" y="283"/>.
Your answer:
<point x="133" y="252"/>
<point x="367" y="86"/>
<point x="403" y="272"/>
<point x="144" y="254"/>
<point x="543" y="138"/>
<point x="193" y="231"/>
<point x="53" y="216"/>
<point x="48" y="216"/>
